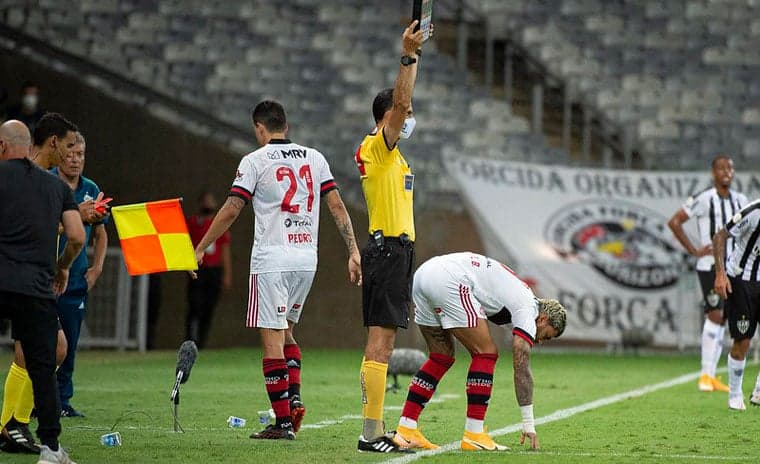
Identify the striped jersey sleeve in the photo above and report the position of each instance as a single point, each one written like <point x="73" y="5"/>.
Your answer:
<point x="744" y="227"/>
<point x="326" y="180"/>
<point x="742" y="221"/>
<point x="696" y="205"/>
<point x="244" y="183"/>
<point x="498" y="287"/>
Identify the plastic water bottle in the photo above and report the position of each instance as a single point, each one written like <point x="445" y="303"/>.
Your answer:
<point x="235" y="422"/>
<point x="111" y="439"/>
<point x="265" y="417"/>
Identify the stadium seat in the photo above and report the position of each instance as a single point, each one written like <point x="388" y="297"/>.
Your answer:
<point x="684" y="61"/>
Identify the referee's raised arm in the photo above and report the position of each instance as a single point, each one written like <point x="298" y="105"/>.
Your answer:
<point x="402" y="90"/>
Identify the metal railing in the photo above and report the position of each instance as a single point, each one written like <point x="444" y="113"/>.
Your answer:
<point x="117" y="309"/>
<point x="618" y="143"/>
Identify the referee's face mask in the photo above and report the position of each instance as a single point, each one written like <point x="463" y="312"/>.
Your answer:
<point x="408" y="127"/>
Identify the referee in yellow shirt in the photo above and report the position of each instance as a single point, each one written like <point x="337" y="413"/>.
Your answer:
<point x="388" y="258"/>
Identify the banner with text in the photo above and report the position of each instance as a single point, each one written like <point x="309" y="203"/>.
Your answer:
<point x="595" y="239"/>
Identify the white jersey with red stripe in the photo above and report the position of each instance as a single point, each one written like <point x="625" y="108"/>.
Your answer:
<point x="285" y="181"/>
<point x="475" y="286"/>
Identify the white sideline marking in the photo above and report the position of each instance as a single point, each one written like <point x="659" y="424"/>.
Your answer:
<point x="318" y="425"/>
<point x="558" y="415"/>
<point x="626" y="455"/>
<point x="328" y="422"/>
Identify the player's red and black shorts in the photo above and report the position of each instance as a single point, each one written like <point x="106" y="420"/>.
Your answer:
<point x="743" y="308"/>
<point x="387" y="269"/>
<point x="711" y="300"/>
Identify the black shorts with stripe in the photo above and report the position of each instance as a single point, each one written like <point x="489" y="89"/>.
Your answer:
<point x="387" y="283"/>
<point x="743" y="308"/>
<point x="710" y="300"/>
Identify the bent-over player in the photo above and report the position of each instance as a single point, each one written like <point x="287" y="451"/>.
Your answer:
<point x="454" y="294"/>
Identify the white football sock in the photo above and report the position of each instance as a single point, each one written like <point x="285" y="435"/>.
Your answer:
<point x="757" y="383"/>
<point x="709" y="339"/>
<point x="408" y="423"/>
<point x="718" y="349"/>
<point x="735" y="374"/>
<point x="474" y="425"/>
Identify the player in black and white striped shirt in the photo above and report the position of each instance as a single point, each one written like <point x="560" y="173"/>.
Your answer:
<point x="712" y="208"/>
<point x="739" y="283"/>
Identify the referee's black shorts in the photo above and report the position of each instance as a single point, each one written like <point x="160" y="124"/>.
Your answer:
<point x="387" y="282"/>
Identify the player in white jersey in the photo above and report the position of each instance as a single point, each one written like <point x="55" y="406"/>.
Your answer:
<point x="711" y="208"/>
<point x="454" y="295"/>
<point x="285" y="182"/>
<point x="739" y="283"/>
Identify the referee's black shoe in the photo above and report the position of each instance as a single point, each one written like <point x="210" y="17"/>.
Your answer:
<point x="17" y="438"/>
<point x="391" y="442"/>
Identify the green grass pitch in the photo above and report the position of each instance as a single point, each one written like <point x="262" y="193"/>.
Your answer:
<point x="676" y="424"/>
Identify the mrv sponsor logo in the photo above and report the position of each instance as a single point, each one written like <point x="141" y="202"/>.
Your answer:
<point x="623" y="241"/>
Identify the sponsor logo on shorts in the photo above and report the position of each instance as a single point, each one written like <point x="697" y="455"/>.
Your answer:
<point x="623" y="241"/>
<point x="296" y="306"/>
<point x="438" y="310"/>
<point x="281" y="309"/>
<point x="713" y="298"/>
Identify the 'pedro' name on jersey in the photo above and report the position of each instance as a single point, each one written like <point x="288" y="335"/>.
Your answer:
<point x="285" y="181"/>
<point x="712" y="212"/>
<point x="744" y="227"/>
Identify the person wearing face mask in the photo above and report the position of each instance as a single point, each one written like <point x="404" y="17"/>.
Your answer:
<point x="28" y="110"/>
<point x="388" y="257"/>
<point x="214" y="274"/>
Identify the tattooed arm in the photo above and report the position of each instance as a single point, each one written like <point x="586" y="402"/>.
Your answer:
<point x="226" y="216"/>
<point x="343" y="222"/>
<point x="523" y="376"/>
<point x="524" y="389"/>
<point x="722" y="285"/>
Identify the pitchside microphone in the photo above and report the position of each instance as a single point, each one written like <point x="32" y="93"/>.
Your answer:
<point x="186" y="357"/>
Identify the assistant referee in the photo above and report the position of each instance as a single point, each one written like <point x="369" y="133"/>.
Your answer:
<point x="388" y="258"/>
